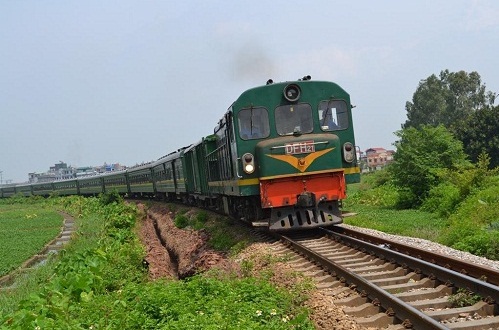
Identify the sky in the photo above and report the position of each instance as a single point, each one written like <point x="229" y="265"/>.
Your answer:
<point x="128" y="81"/>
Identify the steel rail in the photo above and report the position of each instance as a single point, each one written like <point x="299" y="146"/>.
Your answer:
<point x="483" y="273"/>
<point x="445" y="275"/>
<point x="404" y="312"/>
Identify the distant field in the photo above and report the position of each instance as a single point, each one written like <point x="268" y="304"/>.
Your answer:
<point x="24" y="230"/>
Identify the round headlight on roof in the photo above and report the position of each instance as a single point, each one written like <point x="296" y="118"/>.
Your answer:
<point x="292" y="92"/>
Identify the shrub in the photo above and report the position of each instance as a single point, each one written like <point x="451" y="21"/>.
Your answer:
<point x="110" y="197"/>
<point x="421" y="154"/>
<point x="383" y="196"/>
<point x="473" y="226"/>
<point x="442" y="199"/>
<point x="407" y="199"/>
<point x="202" y="217"/>
<point x="481" y="243"/>
<point x="181" y="221"/>
<point x="377" y="178"/>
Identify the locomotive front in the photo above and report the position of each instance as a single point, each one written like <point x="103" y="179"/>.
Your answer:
<point x="296" y="151"/>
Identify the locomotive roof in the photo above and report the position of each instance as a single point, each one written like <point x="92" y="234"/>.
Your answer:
<point x="274" y="91"/>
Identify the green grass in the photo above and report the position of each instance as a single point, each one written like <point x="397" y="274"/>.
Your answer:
<point x="375" y="208"/>
<point x="462" y="216"/>
<point x="198" y="303"/>
<point x="411" y="223"/>
<point x="224" y="233"/>
<point x="24" y="231"/>
<point x="99" y="282"/>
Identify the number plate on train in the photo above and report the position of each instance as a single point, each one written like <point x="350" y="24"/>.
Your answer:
<point x="303" y="147"/>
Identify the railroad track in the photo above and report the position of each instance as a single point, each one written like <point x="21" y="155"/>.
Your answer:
<point x="486" y="274"/>
<point x="384" y="288"/>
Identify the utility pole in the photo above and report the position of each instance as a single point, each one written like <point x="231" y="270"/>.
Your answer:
<point x="1" y="181"/>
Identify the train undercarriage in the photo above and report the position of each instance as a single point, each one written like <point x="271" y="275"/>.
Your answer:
<point x="308" y="213"/>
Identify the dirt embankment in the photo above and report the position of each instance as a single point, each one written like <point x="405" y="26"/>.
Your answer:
<point x="173" y="252"/>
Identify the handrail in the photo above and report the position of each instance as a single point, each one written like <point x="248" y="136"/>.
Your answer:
<point x="315" y="143"/>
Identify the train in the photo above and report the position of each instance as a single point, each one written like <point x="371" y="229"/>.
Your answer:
<point x="280" y="157"/>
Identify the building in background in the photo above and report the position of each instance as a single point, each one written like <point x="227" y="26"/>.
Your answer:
<point x="61" y="171"/>
<point x="375" y="159"/>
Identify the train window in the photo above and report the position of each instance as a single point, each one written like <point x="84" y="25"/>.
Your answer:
<point x="333" y="115"/>
<point x="230" y="132"/>
<point x="253" y="123"/>
<point x="294" y="119"/>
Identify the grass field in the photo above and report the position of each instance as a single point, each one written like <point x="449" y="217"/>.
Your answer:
<point x="412" y="223"/>
<point x="375" y="210"/>
<point x="24" y="230"/>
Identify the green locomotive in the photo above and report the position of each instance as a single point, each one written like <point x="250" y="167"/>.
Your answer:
<point x="283" y="153"/>
<point x="280" y="157"/>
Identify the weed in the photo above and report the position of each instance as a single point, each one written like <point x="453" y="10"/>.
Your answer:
<point x="220" y="240"/>
<point x="98" y="282"/>
<point x="238" y="247"/>
<point x="110" y="197"/>
<point x="247" y="267"/>
<point x="383" y="196"/>
<point x="181" y="221"/>
<point x="202" y="217"/>
<point x="463" y="298"/>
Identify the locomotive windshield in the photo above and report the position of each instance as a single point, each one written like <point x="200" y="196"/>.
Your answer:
<point x="333" y="115"/>
<point x="253" y="123"/>
<point x="294" y="119"/>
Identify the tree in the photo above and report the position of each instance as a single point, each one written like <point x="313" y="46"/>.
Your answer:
<point x="478" y="132"/>
<point x="447" y="99"/>
<point x="421" y="154"/>
<point x="460" y="102"/>
<point x="429" y="104"/>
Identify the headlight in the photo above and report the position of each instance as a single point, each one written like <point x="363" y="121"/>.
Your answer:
<point x="248" y="163"/>
<point x="348" y="152"/>
<point x="292" y="92"/>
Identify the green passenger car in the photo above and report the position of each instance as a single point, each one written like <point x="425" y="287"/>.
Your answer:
<point x="90" y="185"/>
<point x="66" y="187"/>
<point x="116" y="181"/>
<point x="140" y="181"/>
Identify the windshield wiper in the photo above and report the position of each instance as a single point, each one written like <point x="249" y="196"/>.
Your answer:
<point x="324" y="115"/>
<point x="251" y="121"/>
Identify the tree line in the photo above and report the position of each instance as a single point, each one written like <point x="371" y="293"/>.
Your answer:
<point x="446" y="163"/>
<point x="451" y="132"/>
<point x="459" y="102"/>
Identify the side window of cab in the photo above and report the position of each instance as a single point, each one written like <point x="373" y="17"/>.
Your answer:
<point x="253" y="123"/>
